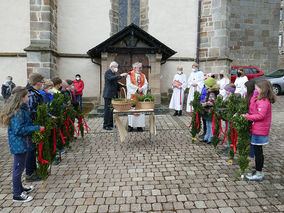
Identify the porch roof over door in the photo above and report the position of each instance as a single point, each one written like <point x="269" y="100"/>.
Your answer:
<point x="134" y="40"/>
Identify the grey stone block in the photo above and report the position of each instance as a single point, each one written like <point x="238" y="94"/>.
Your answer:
<point x="45" y="72"/>
<point x="45" y="8"/>
<point x="219" y="42"/>
<point x="40" y="26"/>
<point x="44" y="42"/>
<point x="45" y="16"/>
<point x="35" y="8"/>
<point x="221" y="32"/>
<point x="218" y="15"/>
<point x="45" y="35"/>
<point x="204" y="39"/>
<point x="214" y="52"/>
<point x="45" y="57"/>
<point x="216" y="3"/>
<point x="33" y="56"/>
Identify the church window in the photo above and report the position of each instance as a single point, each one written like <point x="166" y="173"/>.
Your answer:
<point x="128" y="12"/>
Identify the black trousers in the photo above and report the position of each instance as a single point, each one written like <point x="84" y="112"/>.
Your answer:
<point x="259" y="158"/>
<point x="204" y="125"/>
<point x="108" y="115"/>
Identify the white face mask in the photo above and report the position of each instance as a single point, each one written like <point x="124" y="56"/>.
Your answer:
<point x="78" y="79"/>
<point x="194" y="70"/>
<point x="115" y="69"/>
<point x="179" y="72"/>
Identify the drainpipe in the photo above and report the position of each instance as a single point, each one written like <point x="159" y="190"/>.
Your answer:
<point x="93" y="60"/>
<point x="198" y="32"/>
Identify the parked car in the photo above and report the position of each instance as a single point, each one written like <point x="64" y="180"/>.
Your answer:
<point x="276" y="78"/>
<point x="251" y="72"/>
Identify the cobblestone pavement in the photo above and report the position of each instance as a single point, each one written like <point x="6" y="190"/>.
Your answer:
<point x="166" y="174"/>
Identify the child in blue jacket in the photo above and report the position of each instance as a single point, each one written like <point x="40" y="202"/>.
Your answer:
<point x="20" y="129"/>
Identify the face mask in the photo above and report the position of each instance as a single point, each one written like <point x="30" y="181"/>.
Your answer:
<point x="193" y="70"/>
<point x="78" y="79"/>
<point x="42" y="86"/>
<point x="221" y="76"/>
<point x="239" y="74"/>
<point x="72" y="88"/>
<point x="255" y="92"/>
<point x="115" y="69"/>
<point x="8" y="81"/>
<point x="50" y="91"/>
<point x="179" y="72"/>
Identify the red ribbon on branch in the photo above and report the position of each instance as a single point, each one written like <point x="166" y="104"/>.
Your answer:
<point x="54" y="140"/>
<point x="225" y="133"/>
<point x="197" y="120"/>
<point x="40" y="145"/>
<point x="86" y="125"/>
<point x="79" y="122"/>
<point x="78" y="133"/>
<point x="67" y="127"/>
<point x="234" y="137"/>
<point x="220" y="126"/>
<point x="213" y="124"/>
<point x="61" y="135"/>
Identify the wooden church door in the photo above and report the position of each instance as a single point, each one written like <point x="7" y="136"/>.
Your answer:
<point x="125" y="62"/>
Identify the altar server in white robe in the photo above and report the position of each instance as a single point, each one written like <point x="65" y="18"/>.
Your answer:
<point x="179" y="85"/>
<point x="136" y="83"/>
<point x="195" y="83"/>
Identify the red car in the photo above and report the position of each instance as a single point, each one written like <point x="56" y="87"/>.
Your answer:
<point x="251" y="72"/>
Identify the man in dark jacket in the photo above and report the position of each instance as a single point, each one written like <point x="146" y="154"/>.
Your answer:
<point x="110" y="91"/>
<point x="35" y="84"/>
<point x="7" y="88"/>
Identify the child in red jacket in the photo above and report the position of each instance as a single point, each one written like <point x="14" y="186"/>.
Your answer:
<point x="260" y="115"/>
<point x="78" y="89"/>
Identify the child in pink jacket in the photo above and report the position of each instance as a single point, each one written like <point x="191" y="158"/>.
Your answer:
<point x="260" y="115"/>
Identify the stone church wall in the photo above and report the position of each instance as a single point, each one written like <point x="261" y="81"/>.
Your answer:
<point x="214" y="36"/>
<point x="254" y="28"/>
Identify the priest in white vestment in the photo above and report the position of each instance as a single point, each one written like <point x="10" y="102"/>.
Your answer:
<point x="195" y="83"/>
<point x="179" y="85"/>
<point x="136" y="83"/>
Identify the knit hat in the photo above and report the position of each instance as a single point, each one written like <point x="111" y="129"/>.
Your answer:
<point x="230" y="88"/>
<point x="209" y="82"/>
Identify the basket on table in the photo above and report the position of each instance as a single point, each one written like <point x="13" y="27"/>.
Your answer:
<point x="146" y="104"/>
<point x="122" y="104"/>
